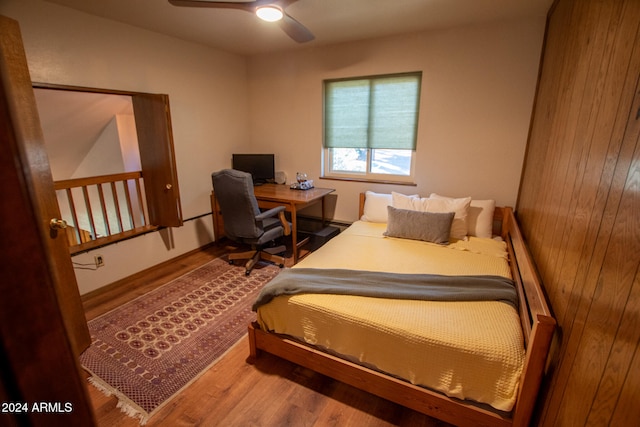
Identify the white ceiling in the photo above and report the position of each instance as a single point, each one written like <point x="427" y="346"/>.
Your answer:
<point x="331" y="21"/>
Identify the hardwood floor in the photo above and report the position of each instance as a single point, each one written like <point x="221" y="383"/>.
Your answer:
<point x="271" y="392"/>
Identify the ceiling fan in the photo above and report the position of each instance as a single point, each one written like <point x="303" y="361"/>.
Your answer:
<point x="268" y="10"/>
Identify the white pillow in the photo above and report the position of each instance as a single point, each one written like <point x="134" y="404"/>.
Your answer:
<point x="402" y="201"/>
<point x="375" y="207"/>
<point x="438" y="205"/>
<point x="461" y="209"/>
<point x="480" y="216"/>
<point x="480" y="219"/>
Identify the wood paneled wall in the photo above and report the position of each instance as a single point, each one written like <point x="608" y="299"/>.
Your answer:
<point x="579" y="206"/>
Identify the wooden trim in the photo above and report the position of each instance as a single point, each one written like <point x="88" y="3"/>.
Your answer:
<point x="40" y="85"/>
<point x="96" y="180"/>
<point x="535" y="315"/>
<point x="361" y="205"/>
<point x="108" y="240"/>
<point x="369" y="180"/>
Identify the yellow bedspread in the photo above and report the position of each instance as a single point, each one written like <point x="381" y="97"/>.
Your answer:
<point x="467" y="350"/>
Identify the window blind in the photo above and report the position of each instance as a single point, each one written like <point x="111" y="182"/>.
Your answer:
<point x="373" y="112"/>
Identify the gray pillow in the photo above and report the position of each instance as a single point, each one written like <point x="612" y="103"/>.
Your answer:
<point x="416" y="225"/>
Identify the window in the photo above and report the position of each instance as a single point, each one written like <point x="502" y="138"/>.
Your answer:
<point x="370" y="127"/>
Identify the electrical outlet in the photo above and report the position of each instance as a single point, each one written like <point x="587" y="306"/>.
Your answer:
<point x="99" y="261"/>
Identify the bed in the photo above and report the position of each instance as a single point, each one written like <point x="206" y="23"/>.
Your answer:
<point x="454" y="355"/>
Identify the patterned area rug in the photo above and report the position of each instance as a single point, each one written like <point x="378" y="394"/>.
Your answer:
<point x="149" y="349"/>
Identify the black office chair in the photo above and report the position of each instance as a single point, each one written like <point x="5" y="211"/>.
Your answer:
<point x="243" y="221"/>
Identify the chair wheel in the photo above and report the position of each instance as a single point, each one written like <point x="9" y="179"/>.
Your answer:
<point x="230" y="262"/>
<point x="248" y="272"/>
<point x="281" y="265"/>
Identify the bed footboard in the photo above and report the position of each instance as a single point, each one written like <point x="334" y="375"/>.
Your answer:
<point x="401" y="392"/>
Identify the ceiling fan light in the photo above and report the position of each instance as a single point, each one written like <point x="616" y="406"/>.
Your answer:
<point x="269" y="13"/>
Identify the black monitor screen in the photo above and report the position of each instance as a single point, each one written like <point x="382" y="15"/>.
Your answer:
<point x="260" y="166"/>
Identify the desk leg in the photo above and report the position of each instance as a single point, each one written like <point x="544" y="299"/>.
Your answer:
<point x="218" y="225"/>
<point x="294" y="232"/>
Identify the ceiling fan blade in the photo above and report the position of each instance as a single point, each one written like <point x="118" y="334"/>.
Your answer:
<point x="295" y="29"/>
<point x="247" y="5"/>
<point x="289" y="25"/>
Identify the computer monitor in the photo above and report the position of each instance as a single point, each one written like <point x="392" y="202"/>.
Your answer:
<point x="260" y="166"/>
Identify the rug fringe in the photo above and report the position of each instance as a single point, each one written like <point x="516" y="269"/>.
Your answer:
<point x="124" y="403"/>
<point x="132" y="412"/>
<point x="107" y="391"/>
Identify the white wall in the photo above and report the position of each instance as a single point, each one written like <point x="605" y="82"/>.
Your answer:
<point x="477" y="96"/>
<point x="104" y="157"/>
<point x="128" y="139"/>
<point x="208" y="97"/>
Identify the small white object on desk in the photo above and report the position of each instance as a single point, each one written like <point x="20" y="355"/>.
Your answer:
<point x="304" y="185"/>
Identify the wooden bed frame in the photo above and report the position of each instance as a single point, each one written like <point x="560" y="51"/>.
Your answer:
<point x="538" y="326"/>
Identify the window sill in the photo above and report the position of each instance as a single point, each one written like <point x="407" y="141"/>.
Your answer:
<point x="372" y="181"/>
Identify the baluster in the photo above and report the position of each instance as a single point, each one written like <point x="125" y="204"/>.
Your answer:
<point x="103" y="207"/>
<point x="74" y="215"/>
<point x="129" y="208"/>
<point x="143" y="209"/>
<point x="114" y="191"/>
<point x="87" y="204"/>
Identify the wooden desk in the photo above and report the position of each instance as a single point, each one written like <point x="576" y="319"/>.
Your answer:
<point x="272" y="195"/>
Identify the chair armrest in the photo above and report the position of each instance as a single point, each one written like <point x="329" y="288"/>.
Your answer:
<point x="285" y="223"/>
<point x="269" y="213"/>
<point x="279" y="211"/>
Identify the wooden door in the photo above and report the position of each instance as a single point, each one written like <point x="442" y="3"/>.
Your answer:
<point x="155" y="142"/>
<point x="32" y="155"/>
<point x="42" y="323"/>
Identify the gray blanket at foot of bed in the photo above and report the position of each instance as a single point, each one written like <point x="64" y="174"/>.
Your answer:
<point x="388" y="285"/>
